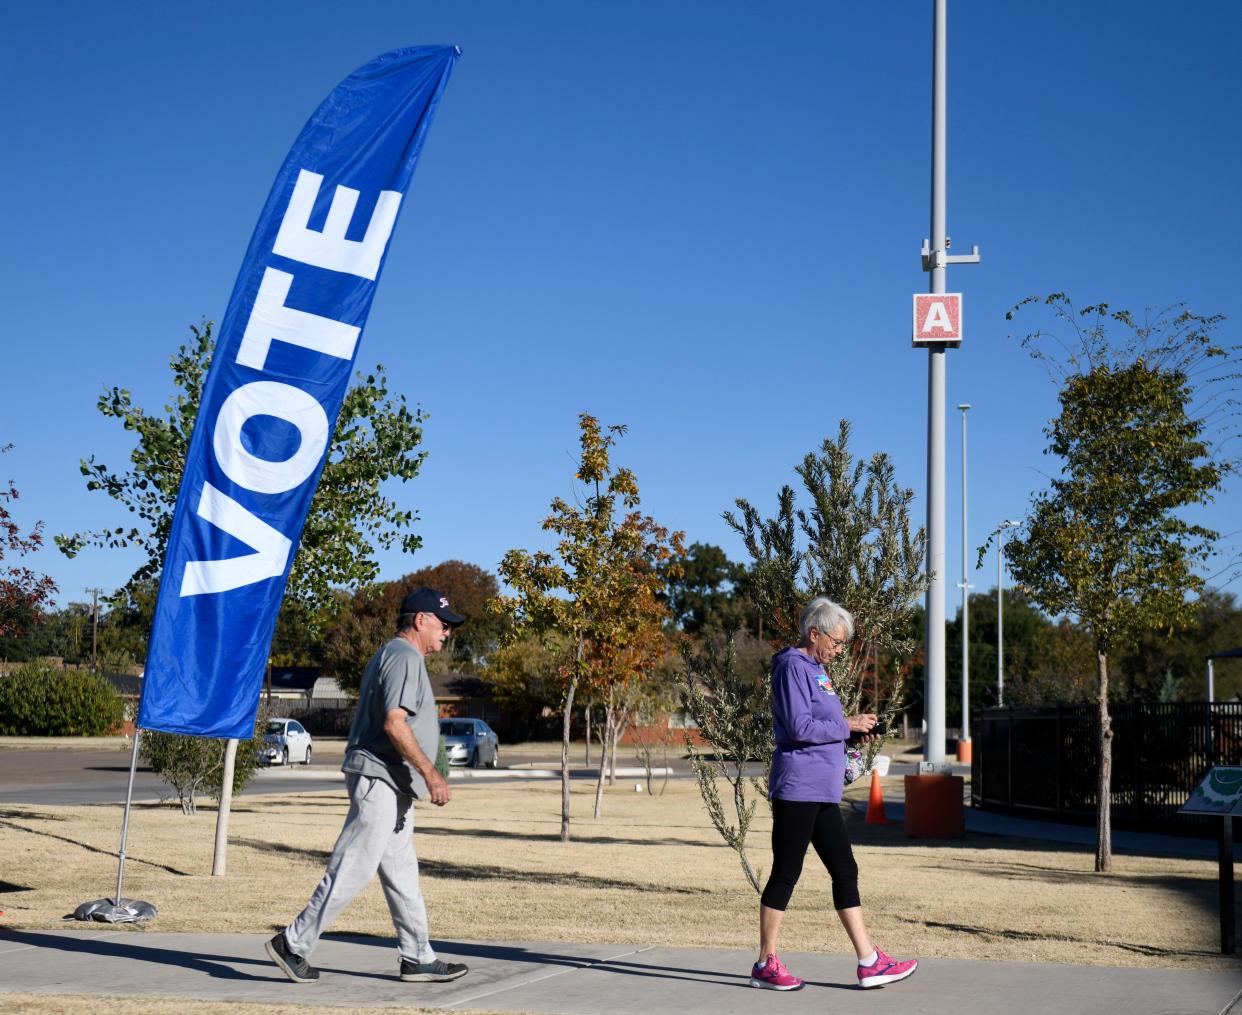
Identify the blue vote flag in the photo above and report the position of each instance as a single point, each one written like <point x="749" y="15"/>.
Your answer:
<point x="283" y="360"/>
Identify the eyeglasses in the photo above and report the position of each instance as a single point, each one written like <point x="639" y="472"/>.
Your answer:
<point x="838" y="642"/>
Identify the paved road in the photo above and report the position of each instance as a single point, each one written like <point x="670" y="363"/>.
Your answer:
<point x="584" y="979"/>
<point x="97" y="775"/>
<point x="74" y="776"/>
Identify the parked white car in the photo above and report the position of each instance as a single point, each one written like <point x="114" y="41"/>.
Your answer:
<point x="284" y="742"/>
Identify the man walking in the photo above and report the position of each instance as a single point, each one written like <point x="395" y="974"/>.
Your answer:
<point x="389" y="762"/>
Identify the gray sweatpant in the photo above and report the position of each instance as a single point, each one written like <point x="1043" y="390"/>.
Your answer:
<point x="376" y="837"/>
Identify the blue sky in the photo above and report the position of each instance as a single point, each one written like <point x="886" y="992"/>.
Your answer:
<point x="700" y="219"/>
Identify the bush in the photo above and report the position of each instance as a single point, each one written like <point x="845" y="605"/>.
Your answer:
<point x="194" y="765"/>
<point x="41" y="700"/>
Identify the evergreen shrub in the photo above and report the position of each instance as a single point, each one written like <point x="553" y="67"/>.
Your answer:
<point x="41" y="700"/>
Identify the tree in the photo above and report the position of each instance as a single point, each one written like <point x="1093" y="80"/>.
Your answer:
<point x="23" y="592"/>
<point x="1171" y="666"/>
<point x="524" y="675"/>
<point x="374" y="441"/>
<point x="621" y="668"/>
<point x="598" y="588"/>
<point x="852" y="543"/>
<point x="125" y="625"/>
<point x="367" y="619"/>
<point x="729" y="702"/>
<point x="194" y="765"/>
<point x="704" y="590"/>
<point x="1136" y="439"/>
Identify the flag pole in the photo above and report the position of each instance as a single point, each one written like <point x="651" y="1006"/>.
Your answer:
<point x="129" y="796"/>
<point x="119" y="909"/>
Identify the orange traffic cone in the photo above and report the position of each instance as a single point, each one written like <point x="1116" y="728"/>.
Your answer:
<point x="875" y="806"/>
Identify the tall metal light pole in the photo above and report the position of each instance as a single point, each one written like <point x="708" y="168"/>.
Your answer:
<point x="1000" y="610"/>
<point x="936" y="260"/>
<point x="963" y="743"/>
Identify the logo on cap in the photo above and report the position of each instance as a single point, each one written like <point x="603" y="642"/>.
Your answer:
<point x="444" y="602"/>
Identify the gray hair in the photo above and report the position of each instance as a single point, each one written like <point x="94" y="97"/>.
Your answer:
<point x="826" y="617"/>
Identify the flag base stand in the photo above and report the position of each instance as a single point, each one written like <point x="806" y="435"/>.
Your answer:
<point x="118" y="909"/>
<point x="112" y="911"/>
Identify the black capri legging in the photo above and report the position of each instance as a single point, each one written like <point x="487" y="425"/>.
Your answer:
<point x="797" y="824"/>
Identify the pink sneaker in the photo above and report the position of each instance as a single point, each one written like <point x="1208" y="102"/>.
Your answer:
<point x="885" y="969"/>
<point x="773" y="975"/>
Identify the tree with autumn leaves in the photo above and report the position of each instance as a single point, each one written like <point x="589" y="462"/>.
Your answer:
<point x="598" y="592"/>
<point x="367" y="618"/>
<point x="23" y="592"/>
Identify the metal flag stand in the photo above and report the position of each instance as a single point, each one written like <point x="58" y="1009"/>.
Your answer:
<point x="119" y="909"/>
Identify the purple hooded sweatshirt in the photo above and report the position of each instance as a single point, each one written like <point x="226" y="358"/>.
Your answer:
<point x="810" y="731"/>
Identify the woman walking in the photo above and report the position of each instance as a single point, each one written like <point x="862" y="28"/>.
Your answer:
<point x="805" y="784"/>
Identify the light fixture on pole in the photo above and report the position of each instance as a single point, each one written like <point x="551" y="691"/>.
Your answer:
<point x="963" y="742"/>
<point x="1000" y="609"/>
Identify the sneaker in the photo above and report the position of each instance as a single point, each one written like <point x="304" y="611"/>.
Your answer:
<point x="432" y="972"/>
<point x="885" y="969"/>
<point x="773" y="975"/>
<point x="294" y="966"/>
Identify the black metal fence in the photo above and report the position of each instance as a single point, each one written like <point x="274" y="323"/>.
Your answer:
<point x="1043" y="762"/>
<point x="323" y="717"/>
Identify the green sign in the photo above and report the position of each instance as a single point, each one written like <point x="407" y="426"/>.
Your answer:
<point x="1220" y="792"/>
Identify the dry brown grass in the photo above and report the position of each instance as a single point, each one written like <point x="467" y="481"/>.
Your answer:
<point x="651" y="871"/>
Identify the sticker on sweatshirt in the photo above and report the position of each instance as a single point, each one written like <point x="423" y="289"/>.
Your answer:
<point x="825" y="683"/>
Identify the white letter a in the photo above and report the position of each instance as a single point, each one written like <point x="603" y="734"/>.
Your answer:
<point x="937" y="318"/>
<point x="268" y="561"/>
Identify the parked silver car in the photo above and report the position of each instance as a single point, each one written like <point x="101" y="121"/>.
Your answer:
<point x="285" y="741"/>
<point x="470" y="742"/>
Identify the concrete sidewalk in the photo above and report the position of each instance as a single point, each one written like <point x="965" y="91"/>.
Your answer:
<point x="581" y="979"/>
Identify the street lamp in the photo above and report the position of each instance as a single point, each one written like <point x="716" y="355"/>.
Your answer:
<point x="1000" y="609"/>
<point x="963" y="743"/>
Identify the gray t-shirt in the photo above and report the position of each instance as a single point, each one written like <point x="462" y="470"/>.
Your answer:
<point x="396" y="677"/>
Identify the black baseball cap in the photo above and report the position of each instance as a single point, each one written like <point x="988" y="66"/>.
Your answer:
<point x="427" y="600"/>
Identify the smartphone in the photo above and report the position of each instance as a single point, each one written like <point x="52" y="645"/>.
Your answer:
<point x="879" y="729"/>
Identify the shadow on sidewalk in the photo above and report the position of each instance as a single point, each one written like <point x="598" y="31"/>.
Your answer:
<point x="624" y="966"/>
<point x="89" y="943"/>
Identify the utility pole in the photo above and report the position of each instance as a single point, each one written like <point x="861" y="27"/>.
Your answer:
<point x="936" y="259"/>
<point x="94" y="627"/>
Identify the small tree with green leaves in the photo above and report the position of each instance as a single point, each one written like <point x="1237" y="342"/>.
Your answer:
<point x="730" y="706"/>
<point x="600" y="587"/>
<point x="1142" y="422"/>
<point x="853" y="543"/>
<point x="374" y="441"/>
<point x="193" y="766"/>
